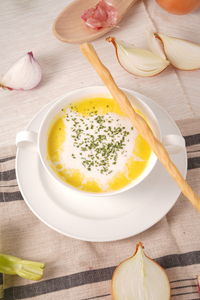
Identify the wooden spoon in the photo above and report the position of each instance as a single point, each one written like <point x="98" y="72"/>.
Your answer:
<point x="139" y="123"/>
<point x="70" y="28"/>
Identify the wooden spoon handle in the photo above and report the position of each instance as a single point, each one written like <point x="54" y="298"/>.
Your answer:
<point x="139" y="123"/>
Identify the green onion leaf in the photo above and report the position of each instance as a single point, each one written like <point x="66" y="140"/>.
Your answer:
<point x="24" y="268"/>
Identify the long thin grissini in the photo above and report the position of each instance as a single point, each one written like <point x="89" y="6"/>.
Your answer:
<point x="139" y="123"/>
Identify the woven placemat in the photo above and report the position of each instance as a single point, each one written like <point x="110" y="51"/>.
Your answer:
<point x="79" y="270"/>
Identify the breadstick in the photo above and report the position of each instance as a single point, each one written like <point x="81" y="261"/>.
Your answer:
<point x="139" y="123"/>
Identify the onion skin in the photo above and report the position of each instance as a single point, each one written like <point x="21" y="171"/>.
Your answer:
<point x="155" y="44"/>
<point x="140" y="244"/>
<point x="112" y="40"/>
<point x="179" y="7"/>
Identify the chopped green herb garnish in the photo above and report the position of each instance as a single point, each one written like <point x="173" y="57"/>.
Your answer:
<point x="100" y="145"/>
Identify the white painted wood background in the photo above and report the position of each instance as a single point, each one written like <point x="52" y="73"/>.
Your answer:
<point x="25" y="25"/>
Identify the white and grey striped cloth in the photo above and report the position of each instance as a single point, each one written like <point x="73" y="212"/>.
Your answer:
<point x="80" y="270"/>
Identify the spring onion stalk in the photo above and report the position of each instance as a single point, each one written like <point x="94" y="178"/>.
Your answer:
<point x="25" y="268"/>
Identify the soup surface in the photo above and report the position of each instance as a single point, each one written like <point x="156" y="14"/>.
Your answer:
<point x="93" y="146"/>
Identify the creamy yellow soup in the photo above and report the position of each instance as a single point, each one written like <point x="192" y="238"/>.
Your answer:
<point x="93" y="146"/>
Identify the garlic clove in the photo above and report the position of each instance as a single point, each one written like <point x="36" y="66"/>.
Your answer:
<point x="25" y="74"/>
<point x="139" y="278"/>
<point x="138" y="61"/>
<point x="155" y="45"/>
<point x="182" y="54"/>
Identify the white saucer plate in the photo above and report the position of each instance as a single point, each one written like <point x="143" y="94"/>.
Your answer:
<point x="99" y="218"/>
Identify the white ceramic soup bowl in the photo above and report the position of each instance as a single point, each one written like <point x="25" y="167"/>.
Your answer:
<point x="40" y="139"/>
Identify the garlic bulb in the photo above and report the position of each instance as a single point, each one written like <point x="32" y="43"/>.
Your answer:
<point x="25" y="74"/>
<point x="139" y="278"/>
<point x="138" y="61"/>
<point x="182" y="54"/>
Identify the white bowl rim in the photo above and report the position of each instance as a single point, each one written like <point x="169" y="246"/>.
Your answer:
<point x="151" y="163"/>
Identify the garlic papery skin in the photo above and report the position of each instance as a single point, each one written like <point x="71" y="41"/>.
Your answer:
<point x="140" y="278"/>
<point x="155" y="45"/>
<point x="182" y="54"/>
<point x="25" y="74"/>
<point x="138" y="61"/>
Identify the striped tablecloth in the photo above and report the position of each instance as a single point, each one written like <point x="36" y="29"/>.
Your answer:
<point x="79" y="270"/>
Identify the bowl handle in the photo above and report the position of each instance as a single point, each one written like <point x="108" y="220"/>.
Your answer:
<point x="25" y="137"/>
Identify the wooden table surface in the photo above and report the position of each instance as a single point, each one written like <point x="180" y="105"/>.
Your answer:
<point x="25" y="25"/>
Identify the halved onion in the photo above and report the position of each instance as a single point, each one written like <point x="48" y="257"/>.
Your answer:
<point x="25" y="74"/>
<point x="139" y="278"/>
<point x="182" y="54"/>
<point x="138" y="61"/>
<point x="155" y="45"/>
